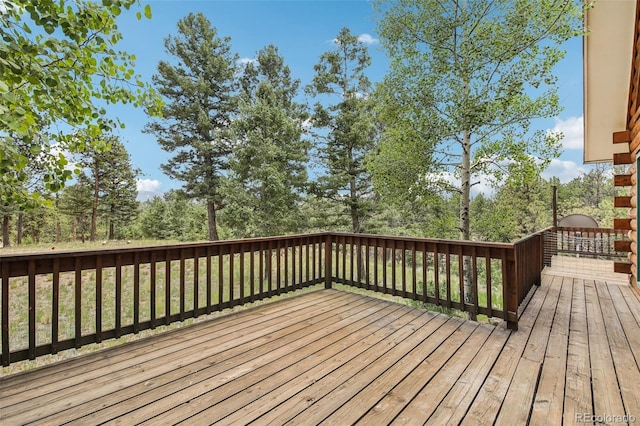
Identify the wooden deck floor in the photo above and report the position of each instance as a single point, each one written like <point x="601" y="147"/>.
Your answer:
<point x="339" y="358"/>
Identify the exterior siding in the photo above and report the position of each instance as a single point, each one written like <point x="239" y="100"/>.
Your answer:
<point x="633" y="127"/>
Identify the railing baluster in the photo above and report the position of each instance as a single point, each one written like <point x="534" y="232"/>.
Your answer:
<point x="6" y="359"/>
<point x="461" y="277"/>
<point x="278" y="262"/>
<point x="98" y="298"/>
<point x="384" y="265"/>
<point x="404" y="270"/>
<point x="505" y="285"/>
<point x="314" y="247"/>
<point x="447" y="257"/>
<point x="252" y="261"/>
<point x="242" y="252"/>
<point x="167" y="288"/>
<point x="300" y="258"/>
<point x="436" y="273"/>
<point x="32" y="309"/>
<point x="220" y="278"/>
<point x="393" y="268"/>
<point x="182" y="284"/>
<point x="488" y="284"/>
<point x="55" y="306"/>
<point x="231" y="275"/>
<point x="118" y="305"/>
<point x="414" y="271"/>
<point x="344" y="258"/>
<point x="196" y="282"/>
<point x="375" y="264"/>
<point x="152" y="289"/>
<point x="474" y="275"/>
<point x="136" y="293"/>
<point x="78" y="301"/>
<point x="286" y="264"/>
<point x="261" y="267"/>
<point x="328" y="260"/>
<point x="270" y="268"/>
<point x="424" y="273"/>
<point x="367" y="264"/>
<point x="209" y="279"/>
<point x="351" y="259"/>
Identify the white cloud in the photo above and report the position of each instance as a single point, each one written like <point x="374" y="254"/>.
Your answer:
<point x="573" y="130"/>
<point x="245" y="61"/>
<point x="367" y="39"/>
<point x="563" y="170"/>
<point x="148" y="185"/>
<point x="362" y="38"/>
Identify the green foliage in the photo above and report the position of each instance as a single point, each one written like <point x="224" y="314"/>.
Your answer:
<point x="76" y="202"/>
<point x="58" y="68"/>
<point x="174" y="217"/>
<point x="199" y="87"/>
<point x="591" y="194"/>
<point x="268" y="166"/>
<point x="351" y="131"/>
<point x="465" y="81"/>
<point x="112" y="179"/>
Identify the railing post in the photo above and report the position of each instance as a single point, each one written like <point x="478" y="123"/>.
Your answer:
<point x="510" y="290"/>
<point x="328" y="257"/>
<point x="541" y="258"/>
<point x="4" y="276"/>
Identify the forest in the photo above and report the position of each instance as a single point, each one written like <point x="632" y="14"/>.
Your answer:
<point x="258" y="153"/>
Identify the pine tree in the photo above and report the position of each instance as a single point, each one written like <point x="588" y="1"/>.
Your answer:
<point x="270" y="153"/>
<point x="340" y="73"/>
<point x="199" y="88"/>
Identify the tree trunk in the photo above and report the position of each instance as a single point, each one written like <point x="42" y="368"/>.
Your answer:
<point x="74" y="228"/>
<point x="355" y="227"/>
<point x="111" y="224"/>
<point x="465" y="222"/>
<point x="211" y="217"/>
<point x="94" y="207"/>
<point x="19" y="227"/>
<point x="355" y="217"/>
<point x="6" y="242"/>
<point x="58" y="226"/>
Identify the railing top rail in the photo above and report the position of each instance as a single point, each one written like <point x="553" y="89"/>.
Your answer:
<point x="530" y="236"/>
<point x="468" y="243"/>
<point x="592" y="230"/>
<point x="111" y="251"/>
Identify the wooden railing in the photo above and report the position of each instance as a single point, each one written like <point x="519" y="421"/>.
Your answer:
<point x="62" y="300"/>
<point x="474" y="277"/>
<point x="529" y="262"/>
<point x="588" y="242"/>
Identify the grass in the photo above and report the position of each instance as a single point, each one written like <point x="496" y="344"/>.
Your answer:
<point x="75" y="245"/>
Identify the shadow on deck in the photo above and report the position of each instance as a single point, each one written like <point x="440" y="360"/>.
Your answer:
<point x="340" y="358"/>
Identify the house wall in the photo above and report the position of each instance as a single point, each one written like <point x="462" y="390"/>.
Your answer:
<point x="631" y="137"/>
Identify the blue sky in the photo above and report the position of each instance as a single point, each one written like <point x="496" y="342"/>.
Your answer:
<point x="302" y="30"/>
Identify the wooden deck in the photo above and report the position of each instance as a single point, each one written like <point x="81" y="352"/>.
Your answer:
<point x="339" y="358"/>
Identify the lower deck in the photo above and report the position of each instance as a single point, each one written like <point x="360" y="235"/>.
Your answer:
<point x="334" y="357"/>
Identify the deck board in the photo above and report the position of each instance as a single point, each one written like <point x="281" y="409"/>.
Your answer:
<point x="547" y="407"/>
<point x="606" y="398"/>
<point x="577" y="397"/>
<point x="333" y="357"/>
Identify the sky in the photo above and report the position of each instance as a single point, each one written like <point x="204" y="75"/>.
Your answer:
<point x="302" y="30"/>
